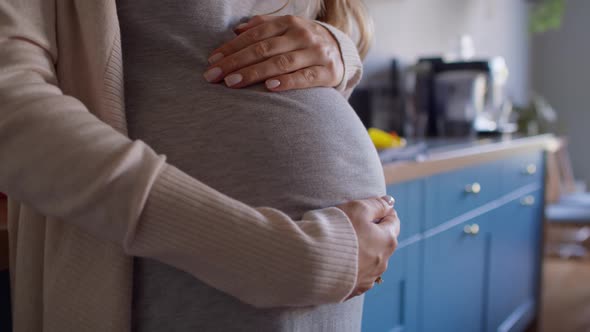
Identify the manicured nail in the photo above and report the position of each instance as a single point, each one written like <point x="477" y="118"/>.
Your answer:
<point x="233" y="79"/>
<point x="241" y="26"/>
<point x="215" y="57"/>
<point x="212" y="74"/>
<point x="272" y="84"/>
<point x="389" y="200"/>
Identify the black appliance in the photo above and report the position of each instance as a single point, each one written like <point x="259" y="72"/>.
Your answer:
<point x="449" y="96"/>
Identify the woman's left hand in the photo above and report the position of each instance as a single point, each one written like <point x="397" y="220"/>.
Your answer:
<point x="287" y="52"/>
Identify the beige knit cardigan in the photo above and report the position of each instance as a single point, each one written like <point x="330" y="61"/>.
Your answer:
<point x="84" y="198"/>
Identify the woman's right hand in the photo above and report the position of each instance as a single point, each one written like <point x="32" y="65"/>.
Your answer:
<point x="377" y="228"/>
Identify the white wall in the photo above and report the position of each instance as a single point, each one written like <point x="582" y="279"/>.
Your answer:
<point x="561" y="73"/>
<point x="407" y="29"/>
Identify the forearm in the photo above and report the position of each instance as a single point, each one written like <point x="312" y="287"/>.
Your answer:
<point x="260" y="256"/>
<point x="64" y="162"/>
<point x="58" y="157"/>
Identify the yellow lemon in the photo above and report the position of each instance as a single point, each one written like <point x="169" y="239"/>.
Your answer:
<point x="385" y="140"/>
<point x="380" y="138"/>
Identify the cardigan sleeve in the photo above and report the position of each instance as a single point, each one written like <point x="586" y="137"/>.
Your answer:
<point x="353" y="65"/>
<point x="61" y="160"/>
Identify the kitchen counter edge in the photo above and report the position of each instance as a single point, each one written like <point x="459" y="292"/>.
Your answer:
<point x="451" y="159"/>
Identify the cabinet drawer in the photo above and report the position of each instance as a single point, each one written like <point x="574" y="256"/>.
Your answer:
<point x="409" y="198"/>
<point x="451" y="194"/>
<point x="522" y="170"/>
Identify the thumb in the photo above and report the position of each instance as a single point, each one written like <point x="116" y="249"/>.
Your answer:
<point x="379" y="207"/>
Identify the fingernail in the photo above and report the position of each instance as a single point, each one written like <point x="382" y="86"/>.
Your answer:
<point x="214" y="58"/>
<point x="212" y="74"/>
<point x="389" y="200"/>
<point x="241" y="26"/>
<point x="272" y="84"/>
<point x="233" y="79"/>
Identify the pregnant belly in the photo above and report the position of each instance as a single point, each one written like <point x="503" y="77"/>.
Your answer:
<point x="294" y="151"/>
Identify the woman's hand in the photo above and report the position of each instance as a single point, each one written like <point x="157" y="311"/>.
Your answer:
<point x="377" y="227"/>
<point x="287" y="52"/>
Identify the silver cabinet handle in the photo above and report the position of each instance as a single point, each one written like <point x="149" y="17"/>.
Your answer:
<point x="530" y="169"/>
<point x="471" y="229"/>
<point x="527" y="201"/>
<point x="474" y="188"/>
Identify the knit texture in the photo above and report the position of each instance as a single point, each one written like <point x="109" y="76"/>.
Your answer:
<point x="78" y="186"/>
<point x="313" y="258"/>
<point x="353" y="69"/>
<point x="294" y="151"/>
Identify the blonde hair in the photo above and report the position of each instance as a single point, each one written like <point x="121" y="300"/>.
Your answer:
<point x="350" y="16"/>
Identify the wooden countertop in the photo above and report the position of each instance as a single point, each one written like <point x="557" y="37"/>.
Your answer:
<point x="449" y="158"/>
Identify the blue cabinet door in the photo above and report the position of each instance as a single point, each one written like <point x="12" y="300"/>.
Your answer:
<point x="393" y="305"/>
<point x="453" y="285"/>
<point x="514" y="263"/>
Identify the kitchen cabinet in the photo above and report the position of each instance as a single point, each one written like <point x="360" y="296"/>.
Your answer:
<point x="514" y="263"/>
<point x="409" y="206"/>
<point x="454" y="193"/>
<point x="393" y="305"/>
<point x="522" y="170"/>
<point x="454" y="278"/>
<point x="469" y="254"/>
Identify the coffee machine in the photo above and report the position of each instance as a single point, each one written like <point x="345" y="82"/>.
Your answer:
<point x="460" y="98"/>
<point x="495" y="118"/>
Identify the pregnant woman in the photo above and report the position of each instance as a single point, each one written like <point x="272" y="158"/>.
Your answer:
<point x="84" y="197"/>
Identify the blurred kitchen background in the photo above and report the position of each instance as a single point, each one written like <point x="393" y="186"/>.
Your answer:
<point x="485" y="69"/>
<point x="545" y="50"/>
